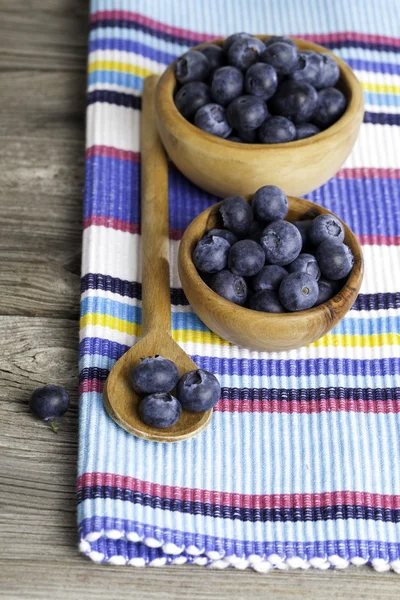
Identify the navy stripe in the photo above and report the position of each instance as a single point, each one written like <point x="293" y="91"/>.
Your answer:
<point x="131" y="101"/>
<point x="320" y="513"/>
<point x="132" y="289"/>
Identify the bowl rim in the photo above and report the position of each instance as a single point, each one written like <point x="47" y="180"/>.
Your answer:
<point x="170" y="114"/>
<point x="349" y="290"/>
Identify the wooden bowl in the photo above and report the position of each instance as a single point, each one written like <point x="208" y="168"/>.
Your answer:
<point x="257" y="330"/>
<point x="224" y="168"/>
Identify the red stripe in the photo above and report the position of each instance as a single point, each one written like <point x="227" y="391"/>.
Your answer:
<point x="379" y="240"/>
<point x="284" y="406"/>
<point x="263" y="501"/>
<point x="112" y="223"/>
<point x="111" y="152"/>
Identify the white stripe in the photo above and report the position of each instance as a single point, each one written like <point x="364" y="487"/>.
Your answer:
<point x="377" y="108"/>
<point x="117" y="253"/>
<point x="377" y="146"/>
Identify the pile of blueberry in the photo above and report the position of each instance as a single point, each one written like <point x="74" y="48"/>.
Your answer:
<point x="268" y="264"/>
<point x="156" y="377"/>
<point x="259" y="92"/>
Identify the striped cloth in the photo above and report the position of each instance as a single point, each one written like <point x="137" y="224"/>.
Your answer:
<point x="300" y="465"/>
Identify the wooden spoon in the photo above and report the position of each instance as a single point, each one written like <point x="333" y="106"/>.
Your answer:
<point x="119" y="398"/>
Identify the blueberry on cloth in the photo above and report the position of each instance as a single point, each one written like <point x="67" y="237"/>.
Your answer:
<point x="281" y="242"/>
<point x="154" y="375"/>
<point x="211" y="253"/>
<point x="335" y="259"/>
<point x="270" y="203"/>
<point x="298" y="291"/>
<point x="212" y="118"/>
<point x="230" y="286"/>
<point x="236" y="214"/>
<point x="198" y="390"/>
<point x="160" y="410"/>
<point x="192" y="66"/>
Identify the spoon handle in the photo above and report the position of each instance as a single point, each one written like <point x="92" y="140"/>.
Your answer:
<point x="156" y="304"/>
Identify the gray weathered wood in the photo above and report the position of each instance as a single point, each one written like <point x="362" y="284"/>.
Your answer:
<point x="42" y="91"/>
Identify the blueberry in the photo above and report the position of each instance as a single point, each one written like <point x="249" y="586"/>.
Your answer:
<point x="247" y="136"/>
<point x="233" y="38"/>
<point x="246" y="112"/>
<point x="304" y="228"/>
<point x="305" y="263"/>
<point x="330" y="72"/>
<point x="298" y="291"/>
<point x="212" y="118"/>
<point x="215" y="56"/>
<point x="266" y="301"/>
<point x="229" y="286"/>
<point x="224" y="233"/>
<point x="160" y="410"/>
<point x="270" y="203"/>
<point x="226" y="85"/>
<point x="276" y="130"/>
<point x="306" y="130"/>
<point x="49" y="402"/>
<point x="282" y="56"/>
<point x="236" y="214"/>
<point x="154" y="375"/>
<point x="192" y="66"/>
<point x="295" y="100"/>
<point x="325" y="227"/>
<point x="245" y="52"/>
<point x="191" y="97"/>
<point x="269" y="278"/>
<point x="261" y="80"/>
<point x="326" y="290"/>
<point x="211" y="254"/>
<point x="309" y="68"/>
<point x="281" y="242"/>
<point x="335" y="259"/>
<point x="279" y="38"/>
<point x="234" y="138"/>
<point x="331" y="106"/>
<point x="255" y="231"/>
<point x="246" y="258"/>
<point x="198" y="390"/>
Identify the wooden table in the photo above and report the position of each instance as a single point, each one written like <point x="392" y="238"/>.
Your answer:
<point x="42" y="104"/>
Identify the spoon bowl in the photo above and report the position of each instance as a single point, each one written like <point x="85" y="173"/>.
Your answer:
<point x="256" y="330"/>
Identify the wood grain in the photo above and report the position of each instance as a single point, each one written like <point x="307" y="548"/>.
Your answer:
<point x="120" y="400"/>
<point x="41" y="125"/>
<point x="226" y="168"/>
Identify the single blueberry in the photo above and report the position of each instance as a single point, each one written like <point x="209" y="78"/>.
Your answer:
<point x="236" y="214"/>
<point x="261" y="80"/>
<point x="198" y="390"/>
<point x="309" y="67"/>
<point x="247" y="136"/>
<point x="211" y="254"/>
<point x="281" y="241"/>
<point x="224" y="233"/>
<point x="298" y="291"/>
<point x="276" y="130"/>
<point x="325" y="227"/>
<point x="330" y="72"/>
<point x="335" y="259"/>
<point x="215" y="55"/>
<point x="255" y="231"/>
<point x="191" y="97"/>
<point x="154" y="374"/>
<point x="233" y="38"/>
<point x="304" y="228"/>
<point x="246" y="258"/>
<point x="295" y="100"/>
<point x="282" y="56"/>
<point x="160" y="410"/>
<point x="226" y="85"/>
<point x="192" y="66"/>
<point x="279" y="38"/>
<point x="246" y="112"/>
<point x="230" y="286"/>
<point x="49" y="402"/>
<point x="305" y="263"/>
<point x="266" y="301"/>
<point x="212" y="118"/>
<point x="270" y="203"/>
<point x="306" y="130"/>
<point x="245" y="52"/>
<point x="326" y="290"/>
<point x="269" y="278"/>
<point x="331" y="106"/>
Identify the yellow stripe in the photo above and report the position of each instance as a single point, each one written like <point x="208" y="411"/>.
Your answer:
<point x="112" y="65"/>
<point x="380" y="88"/>
<point x="208" y="337"/>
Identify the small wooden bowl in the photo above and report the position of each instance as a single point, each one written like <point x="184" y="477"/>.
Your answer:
<point x="256" y="330"/>
<point x="225" y="168"/>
